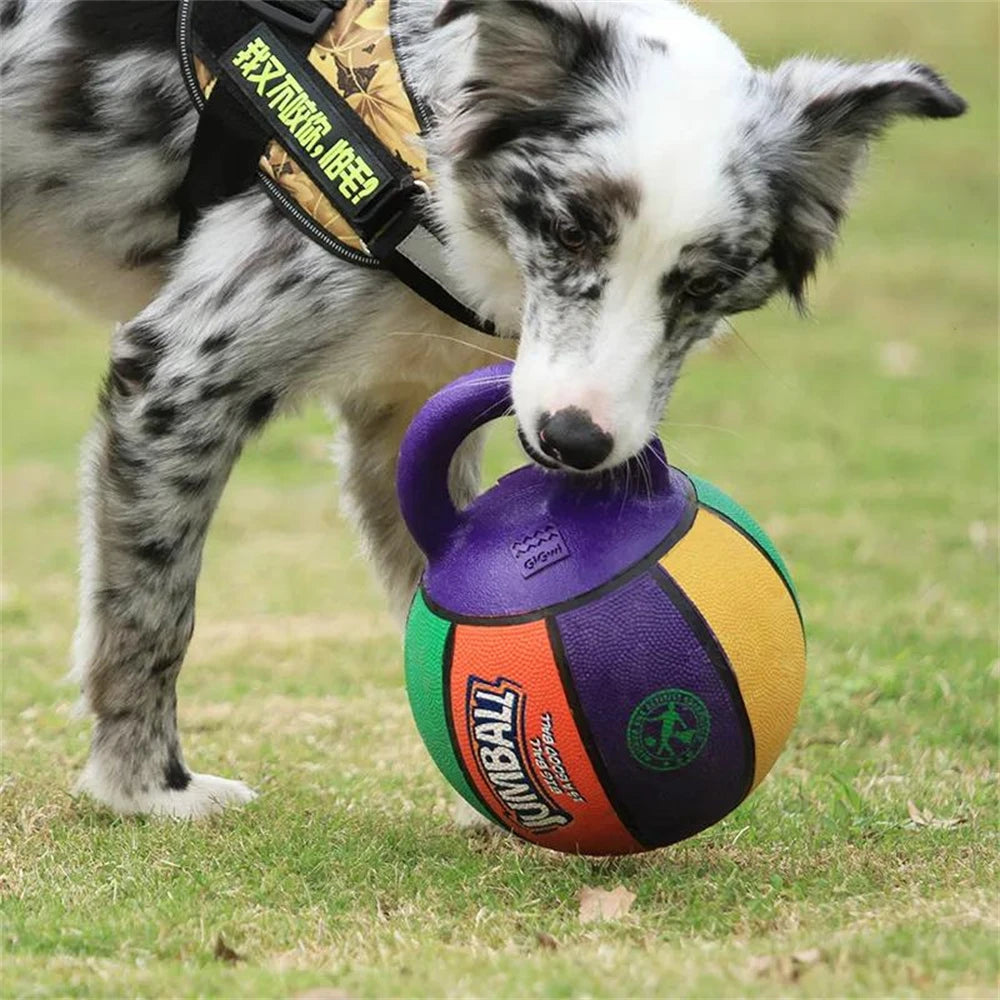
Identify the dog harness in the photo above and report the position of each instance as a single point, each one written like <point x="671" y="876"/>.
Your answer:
<point x="308" y="99"/>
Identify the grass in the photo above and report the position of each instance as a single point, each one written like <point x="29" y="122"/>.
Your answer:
<point x="864" y="438"/>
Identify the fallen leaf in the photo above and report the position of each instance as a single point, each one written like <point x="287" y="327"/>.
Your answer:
<point x="921" y="818"/>
<point x="604" y="904"/>
<point x="950" y="823"/>
<point x="546" y="941"/>
<point x="916" y="816"/>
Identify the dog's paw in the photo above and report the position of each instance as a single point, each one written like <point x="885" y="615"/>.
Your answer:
<point x="205" y="795"/>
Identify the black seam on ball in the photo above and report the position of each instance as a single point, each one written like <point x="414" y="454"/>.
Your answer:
<point x="717" y="657"/>
<point x="447" y="660"/>
<point x="753" y="541"/>
<point x="586" y="736"/>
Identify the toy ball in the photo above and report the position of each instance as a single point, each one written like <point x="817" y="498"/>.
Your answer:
<point x="601" y="668"/>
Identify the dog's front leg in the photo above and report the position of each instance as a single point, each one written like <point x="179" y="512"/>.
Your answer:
<point x="370" y="435"/>
<point x="227" y="343"/>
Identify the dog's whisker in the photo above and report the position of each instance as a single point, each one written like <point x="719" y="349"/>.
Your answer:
<point x="779" y="379"/>
<point x="659" y="458"/>
<point x="627" y="491"/>
<point x="673" y="448"/>
<point x="454" y="340"/>
<point x="646" y="477"/>
<point x="736" y="272"/>
<point x="746" y="344"/>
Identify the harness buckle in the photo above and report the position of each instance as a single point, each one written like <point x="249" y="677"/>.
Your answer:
<point x="302" y="17"/>
<point x="389" y="222"/>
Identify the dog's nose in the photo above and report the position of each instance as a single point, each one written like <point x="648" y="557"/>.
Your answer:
<point x="572" y="438"/>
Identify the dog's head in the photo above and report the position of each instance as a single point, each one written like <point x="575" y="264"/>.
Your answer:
<point x="615" y="180"/>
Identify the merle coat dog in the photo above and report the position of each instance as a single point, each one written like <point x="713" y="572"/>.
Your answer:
<point x="613" y="180"/>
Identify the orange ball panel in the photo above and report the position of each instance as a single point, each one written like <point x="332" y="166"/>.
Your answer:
<point x="520" y="745"/>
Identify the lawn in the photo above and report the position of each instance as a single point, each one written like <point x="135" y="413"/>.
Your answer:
<point x="865" y="440"/>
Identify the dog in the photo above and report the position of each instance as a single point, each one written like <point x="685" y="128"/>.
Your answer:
<point x="613" y="180"/>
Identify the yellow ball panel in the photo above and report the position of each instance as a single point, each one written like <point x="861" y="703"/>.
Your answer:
<point x="746" y="604"/>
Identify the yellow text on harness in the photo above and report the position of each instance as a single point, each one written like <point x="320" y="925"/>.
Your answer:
<point x="309" y="127"/>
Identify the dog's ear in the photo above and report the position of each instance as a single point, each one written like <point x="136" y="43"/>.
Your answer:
<point x="827" y="114"/>
<point x="527" y="55"/>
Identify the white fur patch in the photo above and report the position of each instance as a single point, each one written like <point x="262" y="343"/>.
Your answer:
<point x="206" y="795"/>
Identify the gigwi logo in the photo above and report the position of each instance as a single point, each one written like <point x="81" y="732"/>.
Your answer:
<point x="539" y="550"/>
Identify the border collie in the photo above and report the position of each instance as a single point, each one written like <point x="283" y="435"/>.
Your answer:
<point x="612" y="179"/>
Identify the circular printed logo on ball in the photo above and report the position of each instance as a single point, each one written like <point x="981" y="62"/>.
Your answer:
<point x="668" y="729"/>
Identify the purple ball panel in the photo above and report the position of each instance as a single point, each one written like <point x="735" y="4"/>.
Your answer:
<point x="673" y="748"/>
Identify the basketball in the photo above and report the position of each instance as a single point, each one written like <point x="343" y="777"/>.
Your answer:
<point x="601" y="666"/>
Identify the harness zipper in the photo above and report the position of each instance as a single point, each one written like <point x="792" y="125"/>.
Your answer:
<point x="424" y="117"/>
<point x="311" y="228"/>
<point x="184" y="50"/>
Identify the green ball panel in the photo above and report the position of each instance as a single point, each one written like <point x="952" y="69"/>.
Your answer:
<point x="425" y="652"/>
<point x="711" y="496"/>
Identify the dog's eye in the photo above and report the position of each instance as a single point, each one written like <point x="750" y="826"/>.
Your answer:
<point x="704" y="287"/>
<point x="570" y="235"/>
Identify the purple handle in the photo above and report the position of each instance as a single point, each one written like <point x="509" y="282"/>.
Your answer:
<point x="445" y="421"/>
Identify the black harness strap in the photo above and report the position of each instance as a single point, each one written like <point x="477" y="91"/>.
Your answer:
<point x="257" y="50"/>
<point x="229" y="141"/>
